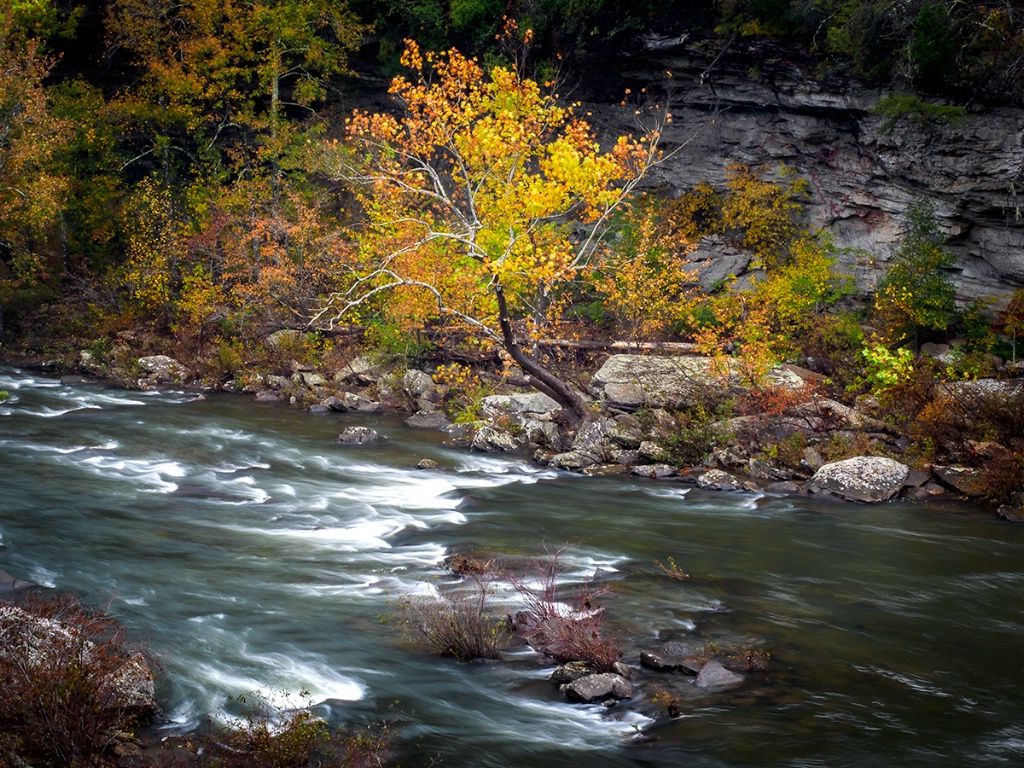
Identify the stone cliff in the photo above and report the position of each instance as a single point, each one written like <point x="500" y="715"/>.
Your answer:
<point x="762" y="105"/>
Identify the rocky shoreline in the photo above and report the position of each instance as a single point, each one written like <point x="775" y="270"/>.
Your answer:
<point x="811" y="444"/>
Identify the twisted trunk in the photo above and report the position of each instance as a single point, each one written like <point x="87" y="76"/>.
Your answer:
<point x="539" y="377"/>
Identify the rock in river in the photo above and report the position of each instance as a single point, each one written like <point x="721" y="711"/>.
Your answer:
<point x="862" y="478"/>
<point x="599" y="687"/>
<point x="358" y="436"/>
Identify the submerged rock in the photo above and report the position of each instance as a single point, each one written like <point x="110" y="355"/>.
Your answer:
<point x="863" y="478"/>
<point x="715" y="677"/>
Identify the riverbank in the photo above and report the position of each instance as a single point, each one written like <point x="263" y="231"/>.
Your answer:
<point x="684" y="417"/>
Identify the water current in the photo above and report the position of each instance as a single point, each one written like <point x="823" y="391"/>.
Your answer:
<point x="251" y="554"/>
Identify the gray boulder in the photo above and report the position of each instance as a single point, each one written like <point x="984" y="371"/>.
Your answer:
<point x="600" y="687"/>
<point x="863" y="478"/>
<point x="46" y="644"/>
<point x="427" y="420"/>
<point x="639" y="381"/>
<point x="517" y="403"/>
<point x="350" y="402"/>
<point x="714" y="677"/>
<point x="358" y="436"/>
<point x="571" y="671"/>
<point x="491" y="440"/>
<point x="362" y="370"/>
<point x="718" y="480"/>
<point x="161" y="369"/>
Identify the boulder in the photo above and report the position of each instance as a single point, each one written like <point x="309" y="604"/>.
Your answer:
<point x="863" y="478"/>
<point x="600" y="687"/>
<point x="718" y="480"/>
<point x="965" y="480"/>
<point x="715" y="677"/>
<point x="517" y="404"/>
<point x="637" y="381"/>
<point x="362" y="370"/>
<point x="417" y="384"/>
<point x="571" y="671"/>
<point x="427" y="420"/>
<point x="309" y="379"/>
<point x="348" y="402"/>
<point x="1013" y="514"/>
<point x="49" y="643"/>
<point x="491" y="440"/>
<point x="358" y="436"/>
<point x="161" y="369"/>
<point x="654" y="471"/>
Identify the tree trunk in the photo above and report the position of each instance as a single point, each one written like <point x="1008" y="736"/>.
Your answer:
<point x="539" y="376"/>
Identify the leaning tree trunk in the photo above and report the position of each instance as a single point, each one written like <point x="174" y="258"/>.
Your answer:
<point x="538" y="376"/>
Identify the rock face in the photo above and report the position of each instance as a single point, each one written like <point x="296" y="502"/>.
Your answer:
<point x="863" y="168"/>
<point x="862" y="478"/>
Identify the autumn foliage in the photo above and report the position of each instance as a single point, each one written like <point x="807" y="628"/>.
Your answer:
<point x="481" y="201"/>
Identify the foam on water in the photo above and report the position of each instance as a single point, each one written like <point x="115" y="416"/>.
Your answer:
<point x="146" y="472"/>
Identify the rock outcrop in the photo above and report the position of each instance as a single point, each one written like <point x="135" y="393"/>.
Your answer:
<point x="763" y="105"/>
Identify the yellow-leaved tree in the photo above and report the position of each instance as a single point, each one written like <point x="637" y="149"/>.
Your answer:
<point x="482" y="200"/>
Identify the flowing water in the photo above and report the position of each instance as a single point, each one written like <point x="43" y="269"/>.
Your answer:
<point x="250" y="553"/>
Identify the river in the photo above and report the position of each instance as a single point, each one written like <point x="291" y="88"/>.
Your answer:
<point x="250" y="553"/>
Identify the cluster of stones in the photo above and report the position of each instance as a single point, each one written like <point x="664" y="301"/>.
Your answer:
<point x="634" y="397"/>
<point x="580" y="682"/>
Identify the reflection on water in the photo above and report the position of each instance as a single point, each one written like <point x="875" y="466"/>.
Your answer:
<point x="251" y="553"/>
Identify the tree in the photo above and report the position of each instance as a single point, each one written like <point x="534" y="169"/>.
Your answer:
<point x="471" y="198"/>
<point x="214" y="72"/>
<point x="916" y="294"/>
<point x="1011" y="320"/>
<point x="31" y="190"/>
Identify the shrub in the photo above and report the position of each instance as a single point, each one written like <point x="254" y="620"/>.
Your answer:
<point x="886" y="369"/>
<point x="557" y="629"/>
<point x="265" y="736"/>
<point x="699" y="433"/>
<point x="460" y="624"/>
<point x="69" y="681"/>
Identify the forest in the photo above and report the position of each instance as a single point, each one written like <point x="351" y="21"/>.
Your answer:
<point x="191" y="178"/>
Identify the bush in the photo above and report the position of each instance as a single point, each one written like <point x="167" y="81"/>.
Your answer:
<point x="460" y="624"/>
<point x="565" y="632"/>
<point x="69" y="682"/>
<point x="265" y="736"/>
